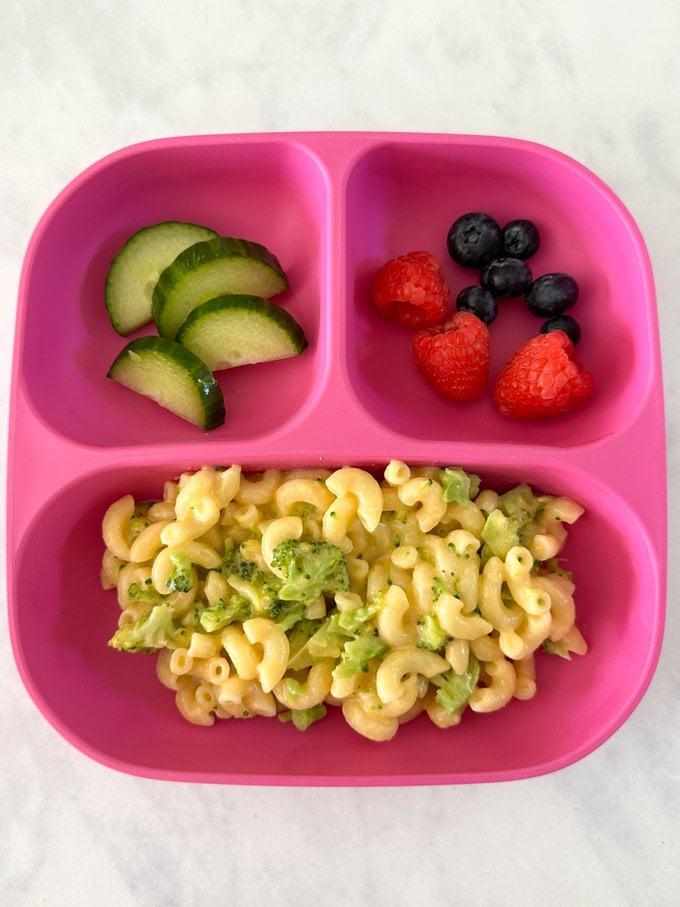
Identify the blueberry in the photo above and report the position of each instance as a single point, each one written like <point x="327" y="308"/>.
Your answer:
<point x="478" y="300"/>
<point x="506" y="276"/>
<point x="474" y="239"/>
<point x="551" y="294"/>
<point x="520" y="239"/>
<point x="565" y="323"/>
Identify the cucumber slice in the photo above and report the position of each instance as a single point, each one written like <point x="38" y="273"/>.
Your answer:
<point x="136" y="268"/>
<point x="209" y="269"/>
<point x="239" y="329"/>
<point x="172" y="376"/>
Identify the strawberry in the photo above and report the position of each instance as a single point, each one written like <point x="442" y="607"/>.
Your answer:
<point x="542" y="379"/>
<point x="411" y="289"/>
<point x="454" y="356"/>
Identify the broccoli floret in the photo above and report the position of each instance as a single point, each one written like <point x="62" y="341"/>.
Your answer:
<point x="455" y="690"/>
<point x="520" y="504"/>
<point x="299" y="638"/>
<point x="236" y="607"/>
<point x="459" y="486"/>
<point x="353" y="621"/>
<point x="153" y="631"/>
<point x="328" y="639"/>
<point x="357" y="653"/>
<point x="145" y="593"/>
<point x="285" y="614"/>
<point x="234" y="564"/>
<point x="181" y="577"/>
<point x="259" y="587"/>
<point x="431" y="634"/>
<point x="310" y="569"/>
<point x="261" y="591"/>
<point x="500" y="534"/>
<point x="302" y="718"/>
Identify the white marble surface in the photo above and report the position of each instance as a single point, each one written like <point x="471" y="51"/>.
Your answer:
<point x="599" y="81"/>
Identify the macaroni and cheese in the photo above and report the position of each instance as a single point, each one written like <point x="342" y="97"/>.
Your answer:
<point x="289" y="593"/>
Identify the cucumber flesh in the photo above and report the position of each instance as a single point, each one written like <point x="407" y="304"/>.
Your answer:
<point x="135" y="270"/>
<point x="241" y="329"/>
<point x="210" y="269"/>
<point x="172" y="376"/>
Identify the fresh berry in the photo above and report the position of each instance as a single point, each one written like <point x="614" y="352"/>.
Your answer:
<point x="506" y="276"/>
<point x="565" y="323"/>
<point x="551" y="294"/>
<point x="520" y="239"/>
<point x="478" y="300"/>
<point x="542" y="379"/>
<point x="454" y="356"/>
<point x="474" y="239"/>
<point x="412" y="290"/>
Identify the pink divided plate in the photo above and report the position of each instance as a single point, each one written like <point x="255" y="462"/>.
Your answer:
<point x="333" y="207"/>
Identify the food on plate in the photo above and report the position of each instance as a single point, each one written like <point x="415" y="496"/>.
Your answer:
<point x="479" y="301"/>
<point x="172" y="376"/>
<point x="136" y="268"/>
<point x="208" y="296"/>
<point x="521" y="239"/>
<point x="209" y="269"/>
<point x="239" y="329"/>
<point x="506" y="276"/>
<point x="292" y="593"/>
<point x="551" y="294"/>
<point x="542" y="379"/>
<point x="474" y="239"/>
<point x="411" y="289"/>
<point x="454" y="356"/>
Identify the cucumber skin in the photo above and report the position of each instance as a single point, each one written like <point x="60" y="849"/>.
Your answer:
<point x="128" y="250"/>
<point x="248" y="304"/>
<point x="193" y="258"/>
<point x="209" y="392"/>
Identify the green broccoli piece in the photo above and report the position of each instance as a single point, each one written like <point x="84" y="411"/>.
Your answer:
<point x="285" y="614"/>
<point x="431" y="633"/>
<point x="310" y="569"/>
<point x="520" y="504"/>
<point x="299" y="638"/>
<point x="155" y="630"/>
<point x="236" y="607"/>
<point x="455" y="690"/>
<point x="328" y="639"/>
<point x="459" y="486"/>
<point x="258" y="587"/>
<point x="357" y="653"/>
<point x="500" y="533"/>
<point x="354" y="620"/>
<point x="302" y="718"/>
<point x="181" y="577"/>
<point x="144" y="593"/>
<point x="260" y="590"/>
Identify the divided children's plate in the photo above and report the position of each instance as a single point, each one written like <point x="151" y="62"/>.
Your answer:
<point x="333" y="208"/>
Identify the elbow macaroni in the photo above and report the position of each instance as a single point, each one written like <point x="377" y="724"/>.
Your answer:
<point x="428" y="602"/>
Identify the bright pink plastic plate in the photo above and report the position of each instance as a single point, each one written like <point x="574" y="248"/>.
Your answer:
<point x="333" y="207"/>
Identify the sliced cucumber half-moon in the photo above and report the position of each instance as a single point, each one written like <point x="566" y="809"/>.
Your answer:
<point x="173" y="376"/>
<point x="135" y="270"/>
<point x="210" y="269"/>
<point x="240" y="329"/>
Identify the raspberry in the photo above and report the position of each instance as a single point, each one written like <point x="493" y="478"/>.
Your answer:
<point x="454" y="356"/>
<point x="412" y="290"/>
<point x="542" y="379"/>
